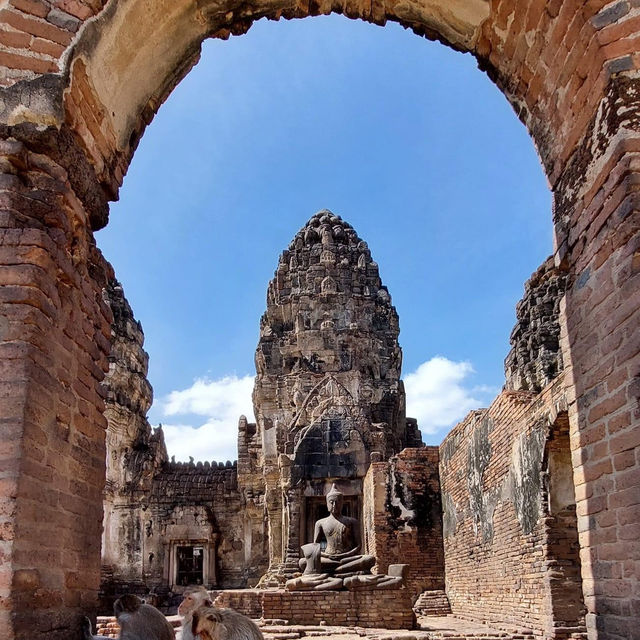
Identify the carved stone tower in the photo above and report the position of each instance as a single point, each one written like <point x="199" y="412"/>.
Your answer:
<point x="328" y="397"/>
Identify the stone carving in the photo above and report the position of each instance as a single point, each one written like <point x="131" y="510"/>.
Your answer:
<point x="328" y="393"/>
<point x="340" y="564"/>
<point x="535" y="357"/>
<point x="329" y="316"/>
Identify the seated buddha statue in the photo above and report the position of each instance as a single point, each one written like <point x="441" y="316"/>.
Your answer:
<point x="340" y="564"/>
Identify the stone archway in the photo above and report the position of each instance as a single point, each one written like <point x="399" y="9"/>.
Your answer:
<point x="82" y="79"/>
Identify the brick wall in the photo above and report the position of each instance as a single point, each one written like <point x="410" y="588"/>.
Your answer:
<point x="246" y="601"/>
<point x="54" y="341"/>
<point x="387" y="608"/>
<point x="597" y="227"/>
<point x="492" y="470"/>
<point x="403" y="517"/>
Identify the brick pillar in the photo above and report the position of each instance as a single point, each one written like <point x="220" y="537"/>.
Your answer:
<point x="54" y="339"/>
<point x="599" y="236"/>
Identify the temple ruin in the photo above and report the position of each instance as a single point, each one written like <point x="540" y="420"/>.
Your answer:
<point x="328" y="400"/>
<point x="495" y="500"/>
<point x="80" y="81"/>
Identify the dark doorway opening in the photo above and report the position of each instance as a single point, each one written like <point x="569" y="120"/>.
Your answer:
<point x="190" y="565"/>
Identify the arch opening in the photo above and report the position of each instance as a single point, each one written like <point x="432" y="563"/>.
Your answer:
<point x="578" y="98"/>
<point x="298" y="512"/>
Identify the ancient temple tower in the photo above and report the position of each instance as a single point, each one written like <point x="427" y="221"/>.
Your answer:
<point x="328" y="397"/>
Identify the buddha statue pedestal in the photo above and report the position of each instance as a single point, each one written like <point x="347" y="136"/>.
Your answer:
<point x="370" y="608"/>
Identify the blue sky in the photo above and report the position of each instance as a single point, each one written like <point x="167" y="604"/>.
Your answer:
<point x="402" y="137"/>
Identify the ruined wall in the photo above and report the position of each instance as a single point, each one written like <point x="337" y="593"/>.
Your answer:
<point x="535" y="358"/>
<point x="153" y="505"/>
<point x="240" y="551"/>
<point x="54" y="343"/>
<point x="186" y="504"/>
<point x="492" y="471"/>
<point x="506" y="548"/>
<point x="403" y="517"/>
<point x="134" y="451"/>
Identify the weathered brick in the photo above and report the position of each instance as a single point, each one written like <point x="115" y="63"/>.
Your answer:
<point x="608" y="406"/>
<point x="14" y="39"/>
<point x="624" y="498"/>
<point x="624" y="460"/>
<point x="38" y="8"/>
<point x="625" y="440"/>
<point x="75" y="8"/>
<point x="35" y="27"/>
<point x="47" y="47"/>
<point x="29" y="63"/>
<point x="63" y="20"/>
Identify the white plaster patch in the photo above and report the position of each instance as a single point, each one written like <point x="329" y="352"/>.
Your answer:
<point x="405" y="514"/>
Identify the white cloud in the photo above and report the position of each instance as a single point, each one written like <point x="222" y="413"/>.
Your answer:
<point x="229" y="396"/>
<point x="221" y="402"/>
<point x="437" y="395"/>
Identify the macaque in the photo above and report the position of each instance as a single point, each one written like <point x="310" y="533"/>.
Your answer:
<point x="137" y="620"/>
<point x="211" y="623"/>
<point x="193" y="598"/>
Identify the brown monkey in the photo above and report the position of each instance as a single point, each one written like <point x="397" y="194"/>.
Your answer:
<point x="193" y="598"/>
<point x="137" y="620"/>
<point x="211" y="623"/>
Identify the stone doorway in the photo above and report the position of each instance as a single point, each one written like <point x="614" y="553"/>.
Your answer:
<point x="191" y="562"/>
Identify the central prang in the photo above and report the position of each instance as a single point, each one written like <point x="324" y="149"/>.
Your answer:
<point x="340" y="564"/>
<point x="328" y="401"/>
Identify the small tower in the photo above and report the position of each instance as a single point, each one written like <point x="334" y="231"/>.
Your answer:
<point x="328" y="397"/>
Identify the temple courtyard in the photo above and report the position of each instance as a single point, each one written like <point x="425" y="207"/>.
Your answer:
<point x="428" y="628"/>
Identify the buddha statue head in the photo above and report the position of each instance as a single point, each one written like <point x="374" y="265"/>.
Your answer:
<point x="334" y="501"/>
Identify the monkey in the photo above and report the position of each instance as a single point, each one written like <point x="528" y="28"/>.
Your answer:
<point x="137" y="620"/>
<point x="211" y="623"/>
<point x="193" y="598"/>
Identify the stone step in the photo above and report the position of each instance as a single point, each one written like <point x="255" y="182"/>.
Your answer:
<point x="108" y="627"/>
<point x="432" y="603"/>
